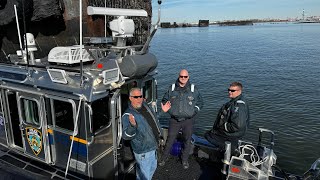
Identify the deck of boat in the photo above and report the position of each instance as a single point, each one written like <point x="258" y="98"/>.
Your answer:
<point x="14" y="166"/>
<point x="199" y="169"/>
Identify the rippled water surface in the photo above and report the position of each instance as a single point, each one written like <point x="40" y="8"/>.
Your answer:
<point x="279" y="66"/>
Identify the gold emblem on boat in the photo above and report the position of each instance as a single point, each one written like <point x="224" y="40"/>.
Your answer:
<point x="34" y="139"/>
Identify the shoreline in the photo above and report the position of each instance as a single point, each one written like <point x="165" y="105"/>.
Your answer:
<point x="229" y="23"/>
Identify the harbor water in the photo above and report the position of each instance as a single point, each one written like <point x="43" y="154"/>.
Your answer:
<point x="279" y="66"/>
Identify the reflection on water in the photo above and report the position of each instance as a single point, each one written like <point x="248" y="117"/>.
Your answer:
<point x="279" y="66"/>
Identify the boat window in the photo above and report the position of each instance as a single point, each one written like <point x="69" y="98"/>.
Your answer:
<point x="100" y="114"/>
<point x="63" y="114"/>
<point x="125" y="90"/>
<point x="147" y="91"/>
<point x="29" y="111"/>
<point x="14" y="117"/>
<point x="48" y="111"/>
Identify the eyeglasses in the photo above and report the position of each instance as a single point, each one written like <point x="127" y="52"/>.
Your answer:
<point x="136" y="97"/>
<point x="232" y="90"/>
<point x="184" y="76"/>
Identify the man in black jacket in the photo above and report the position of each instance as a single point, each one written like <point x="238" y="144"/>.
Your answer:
<point x="182" y="101"/>
<point x="232" y="121"/>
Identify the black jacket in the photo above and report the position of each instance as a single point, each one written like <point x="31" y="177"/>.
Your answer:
<point x="185" y="104"/>
<point x="233" y="119"/>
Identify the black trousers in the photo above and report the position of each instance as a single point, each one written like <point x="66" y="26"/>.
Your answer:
<point x="219" y="141"/>
<point x="187" y="129"/>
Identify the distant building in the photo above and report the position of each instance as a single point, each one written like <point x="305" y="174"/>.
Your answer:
<point x="203" y="23"/>
<point x="165" y="25"/>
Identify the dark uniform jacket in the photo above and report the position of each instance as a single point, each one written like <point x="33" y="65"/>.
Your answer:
<point x="233" y="119"/>
<point x="185" y="104"/>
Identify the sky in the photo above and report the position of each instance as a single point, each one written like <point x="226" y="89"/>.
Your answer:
<point x="219" y="10"/>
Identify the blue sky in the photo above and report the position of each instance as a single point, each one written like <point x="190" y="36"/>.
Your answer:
<point x="218" y="10"/>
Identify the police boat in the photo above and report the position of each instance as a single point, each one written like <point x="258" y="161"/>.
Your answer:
<point x="60" y="115"/>
<point x="60" y="112"/>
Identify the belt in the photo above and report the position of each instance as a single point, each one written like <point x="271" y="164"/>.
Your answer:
<point x="180" y="119"/>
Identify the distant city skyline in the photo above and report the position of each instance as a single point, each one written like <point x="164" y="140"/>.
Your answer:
<point x="219" y="10"/>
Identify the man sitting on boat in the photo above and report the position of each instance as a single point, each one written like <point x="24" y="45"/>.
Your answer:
<point x="232" y="121"/>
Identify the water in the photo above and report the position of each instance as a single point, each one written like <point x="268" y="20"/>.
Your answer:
<point x="279" y="66"/>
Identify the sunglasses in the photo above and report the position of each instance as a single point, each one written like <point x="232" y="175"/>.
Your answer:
<point x="184" y="76"/>
<point x="232" y="90"/>
<point x="136" y="97"/>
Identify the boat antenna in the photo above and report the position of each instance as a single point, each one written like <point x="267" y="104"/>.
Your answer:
<point x="18" y="27"/>
<point x="25" y="34"/>
<point x="105" y="20"/>
<point x="81" y="62"/>
<point x="154" y="30"/>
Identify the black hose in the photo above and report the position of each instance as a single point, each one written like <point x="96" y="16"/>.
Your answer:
<point x="286" y="177"/>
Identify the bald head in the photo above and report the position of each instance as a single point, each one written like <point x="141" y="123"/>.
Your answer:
<point x="183" y="77"/>
<point x="184" y="71"/>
